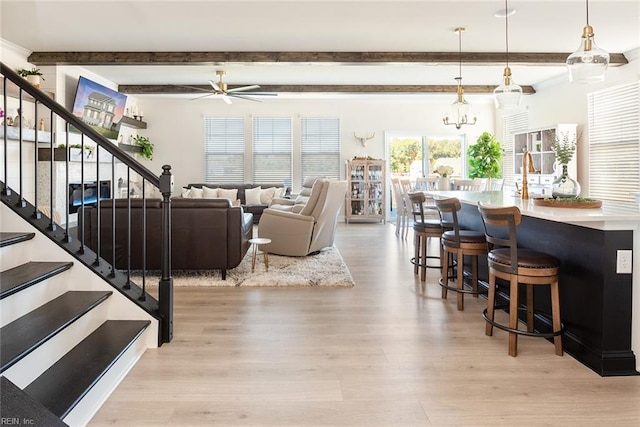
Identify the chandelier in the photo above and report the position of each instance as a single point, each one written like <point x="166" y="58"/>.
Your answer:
<point x="588" y="63"/>
<point x="508" y="94"/>
<point x="460" y="109"/>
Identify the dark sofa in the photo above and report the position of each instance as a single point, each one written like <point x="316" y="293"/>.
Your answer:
<point x="256" y="210"/>
<point x="206" y="234"/>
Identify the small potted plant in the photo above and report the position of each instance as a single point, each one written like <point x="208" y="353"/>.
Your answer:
<point x="33" y="76"/>
<point x="146" y="147"/>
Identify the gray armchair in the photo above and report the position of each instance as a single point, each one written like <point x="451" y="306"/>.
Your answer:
<point x="310" y="230"/>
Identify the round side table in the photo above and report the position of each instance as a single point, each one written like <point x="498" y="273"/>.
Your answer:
<point x="256" y="243"/>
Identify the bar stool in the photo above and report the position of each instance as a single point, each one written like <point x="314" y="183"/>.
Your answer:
<point x="517" y="265"/>
<point x="423" y="229"/>
<point x="459" y="243"/>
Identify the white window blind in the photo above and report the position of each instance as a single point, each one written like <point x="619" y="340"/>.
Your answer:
<point x="223" y="149"/>
<point x="320" y="147"/>
<point x="272" y="141"/>
<point x="614" y="142"/>
<point x="511" y="125"/>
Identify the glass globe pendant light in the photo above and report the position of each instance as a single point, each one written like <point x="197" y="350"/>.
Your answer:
<point x="508" y="94"/>
<point x="460" y="109"/>
<point x="589" y="63"/>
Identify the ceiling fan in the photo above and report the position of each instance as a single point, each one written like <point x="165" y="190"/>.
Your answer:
<point x="221" y="90"/>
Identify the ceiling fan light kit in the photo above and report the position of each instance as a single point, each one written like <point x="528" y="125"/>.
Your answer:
<point x="508" y="94"/>
<point x="589" y="63"/>
<point x="460" y="109"/>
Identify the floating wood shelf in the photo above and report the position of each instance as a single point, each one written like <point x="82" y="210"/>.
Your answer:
<point x="130" y="148"/>
<point x="131" y="122"/>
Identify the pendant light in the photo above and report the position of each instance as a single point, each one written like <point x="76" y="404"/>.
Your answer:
<point x="589" y="63"/>
<point x="460" y="109"/>
<point x="508" y="94"/>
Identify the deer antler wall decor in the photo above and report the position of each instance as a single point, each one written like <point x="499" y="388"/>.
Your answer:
<point x="363" y="139"/>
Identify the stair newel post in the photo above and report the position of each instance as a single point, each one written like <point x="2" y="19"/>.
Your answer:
<point x="165" y="291"/>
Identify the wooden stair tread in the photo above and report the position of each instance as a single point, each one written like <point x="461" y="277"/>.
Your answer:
<point x="26" y="333"/>
<point x="62" y="386"/>
<point x="28" y="274"/>
<point x="12" y="238"/>
<point x="17" y="405"/>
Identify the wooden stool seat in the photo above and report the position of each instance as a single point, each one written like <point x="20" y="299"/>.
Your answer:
<point x="460" y="243"/>
<point x="518" y="266"/>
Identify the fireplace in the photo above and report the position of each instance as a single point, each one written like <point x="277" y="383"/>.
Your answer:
<point x="90" y="194"/>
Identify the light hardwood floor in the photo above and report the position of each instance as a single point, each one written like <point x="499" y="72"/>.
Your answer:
<point x="387" y="352"/>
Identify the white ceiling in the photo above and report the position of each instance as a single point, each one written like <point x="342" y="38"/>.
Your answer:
<point x="304" y="25"/>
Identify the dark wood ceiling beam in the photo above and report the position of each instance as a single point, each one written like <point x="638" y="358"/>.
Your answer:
<point x="199" y="58"/>
<point x="417" y="89"/>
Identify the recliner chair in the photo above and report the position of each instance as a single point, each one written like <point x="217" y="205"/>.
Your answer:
<point x="310" y="230"/>
<point x="296" y="205"/>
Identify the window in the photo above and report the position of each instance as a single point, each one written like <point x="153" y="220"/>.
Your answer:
<point x="272" y="141"/>
<point x="512" y="124"/>
<point x="223" y="149"/>
<point x="320" y="147"/>
<point x="614" y="142"/>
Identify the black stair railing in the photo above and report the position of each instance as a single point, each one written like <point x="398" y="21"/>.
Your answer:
<point x="33" y="185"/>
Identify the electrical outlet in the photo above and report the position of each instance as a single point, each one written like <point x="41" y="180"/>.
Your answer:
<point x="624" y="260"/>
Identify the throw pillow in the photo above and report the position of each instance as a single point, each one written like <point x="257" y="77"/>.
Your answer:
<point x="252" y="196"/>
<point x="209" y="193"/>
<point x="196" y="193"/>
<point x="279" y="193"/>
<point x="266" y="195"/>
<point x="186" y="192"/>
<point x="236" y="202"/>
<point x="231" y="194"/>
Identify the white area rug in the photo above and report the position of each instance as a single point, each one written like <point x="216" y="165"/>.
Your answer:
<point x="324" y="269"/>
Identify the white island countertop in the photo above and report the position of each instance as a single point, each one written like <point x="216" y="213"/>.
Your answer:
<point x="610" y="216"/>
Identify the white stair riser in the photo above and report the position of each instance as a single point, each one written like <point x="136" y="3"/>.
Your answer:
<point x="93" y="401"/>
<point x="21" y="303"/>
<point x="42" y="358"/>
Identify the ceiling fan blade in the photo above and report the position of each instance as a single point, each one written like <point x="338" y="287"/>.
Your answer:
<point x="243" y="88"/>
<point x="226" y="99"/>
<point x="203" y="96"/>
<point x="215" y="86"/>
<point x="248" y="98"/>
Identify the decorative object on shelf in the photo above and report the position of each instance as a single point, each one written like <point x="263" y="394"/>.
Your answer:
<point x="564" y="186"/>
<point x="460" y="109"/>
<point x="508" y="94"/>
<point x="484" y="157"/>
<point x="41" y="125"/>
<point x="589" y="63"/>
<point x="33" y="76"/>
<point x="145" y="145"/>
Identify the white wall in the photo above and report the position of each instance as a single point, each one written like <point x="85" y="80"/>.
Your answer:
<point x="176" y="126"/>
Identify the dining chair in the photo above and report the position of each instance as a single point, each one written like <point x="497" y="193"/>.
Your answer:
<point x="466" y="185"/>
<point x="482" y="182"/>
<point x="426" y="183"/>
<point x="496" y="184"/>
<point x="403" y="211"/>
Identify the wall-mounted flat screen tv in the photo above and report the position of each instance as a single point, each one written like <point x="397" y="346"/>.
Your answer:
<point x="99" y="107"/>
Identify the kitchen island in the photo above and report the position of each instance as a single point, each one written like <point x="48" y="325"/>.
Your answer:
<point x="600" y="307"/>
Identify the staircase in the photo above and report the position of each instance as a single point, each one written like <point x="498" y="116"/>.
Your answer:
<point x="67" y="339"/>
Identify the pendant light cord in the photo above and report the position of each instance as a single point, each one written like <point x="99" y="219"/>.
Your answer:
<point x="460" y="55"/>
<point x="587" y="9"/>
<point x="506" y="31"/>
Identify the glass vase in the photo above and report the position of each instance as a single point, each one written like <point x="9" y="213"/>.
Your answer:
<point x="565" y="186"/>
